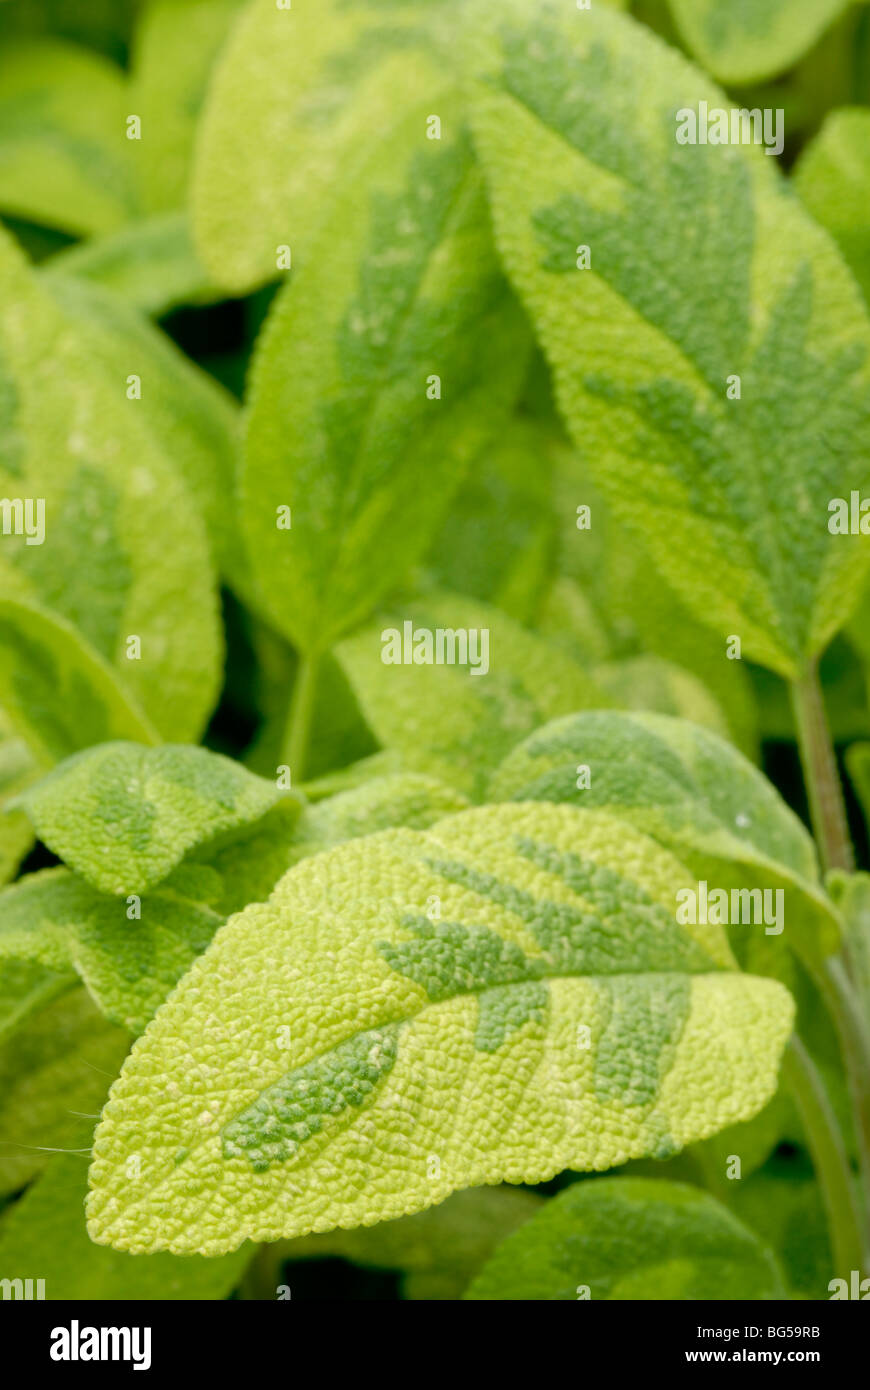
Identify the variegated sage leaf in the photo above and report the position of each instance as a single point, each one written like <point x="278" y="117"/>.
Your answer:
<point x="98" y="527"/>
<point x="497" y="998"/>
<point x="381" y="373"/>
<point x="693" y="792"/>
<point x="721" y="414"/>
<point x="742" y="41"/>
<point x="630" y="1238"/>
<point x="123" y="815"/>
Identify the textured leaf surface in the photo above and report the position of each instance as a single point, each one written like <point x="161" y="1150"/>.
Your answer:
<point x="687" y="788"/>
<point x="17" y="768"/>
<point x="833" y="179"/>
<point x="361" y="1060"/>
<point x="129" y="967"/>
<point x="750" y="40"/>
<point x="174" y="47"/>
<point x="24" y="988"/>
<point x="56" y="691"/>
<point x="497" y="542"/>
<point x="231" y="872"/>
<point x="403" y="799"/>
<point x="55" y="921"/>
<point x="405" y="286"/>
<point x="630" y="1238"/>
<point x="381" y="764"/>
<point x="753" y="1142"/>
<point x="123" y="815"/>
<point x="577" y="134"/>
<point x="124" y="552"/>
<point x="64" y="156"/>
<point x="16" y="839"/>
<point x="44" y="1236"/>
<point x="151" y="263"/>
<point x="191" y="420"/>
<point x="568" y="619"/>
<point x="54" y="1074"/>
<point x="297" y="96"/>
<point x="638" y="613"/>
<point x="659" y="686"/>
<point x="447" y="722"/>
<point x="676" y="776"/>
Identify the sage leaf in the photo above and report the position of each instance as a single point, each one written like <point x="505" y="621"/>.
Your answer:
<point x="190" y="418"/>
<point x="26" y="987"/>
<point x="576" y="124"/>
<point x="150" y="263"/>
<point x="117" y="547"/>
<point x="832" y="177"/>
<point x="694" y="793"/>
<point x="746" y="41"/>
<point x="54" y="1070"/>
<point x="48" y="1220"/>
<point x="498" y="541"/>
<point x="445" y="720"/>
<point x="131" y="961"/>
<point x="297" y="97"/>
<point x="403" y="799"/>
<point x="57" y="692"/>
<point x="17" y="767"/>
<point x="123" y="815"/>
<point x="174" y="46"/>
<point x="630" y="1238"/>
<point x="380" y="375"/>
<point x="496" y="998"/>
<point x="64" y="158"/>
<point x="55" y="920"/>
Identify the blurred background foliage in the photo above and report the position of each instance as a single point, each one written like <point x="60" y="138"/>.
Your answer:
<point x="85" y="203"/>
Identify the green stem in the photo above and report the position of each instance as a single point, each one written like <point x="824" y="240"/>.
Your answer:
<point x="830" y="825"/>
<point x="829" y="1160"/>
<point x="261" y="1279"/>
<point x="825" y="794"/>
<point x="298" y="730"/>
<point x="853" y="1033"/>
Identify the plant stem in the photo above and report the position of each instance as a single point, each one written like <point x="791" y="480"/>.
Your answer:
<point x="825" y="794"/>
<point x="830" y="825"/>
<point x="853" y="1033"/>
<point x="829" y="1160"/>
<point x="296" y="734"/>
<point x="261" y="1279"/>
